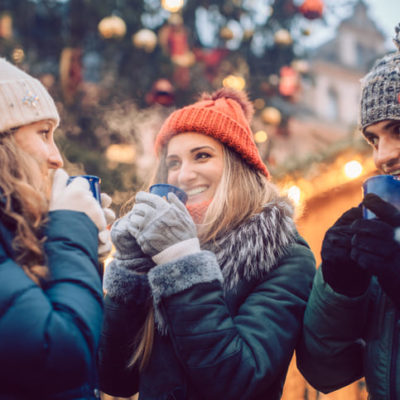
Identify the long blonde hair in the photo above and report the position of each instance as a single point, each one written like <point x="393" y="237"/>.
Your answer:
<point x="23" y="207"/>
<point x="241" y="193"/>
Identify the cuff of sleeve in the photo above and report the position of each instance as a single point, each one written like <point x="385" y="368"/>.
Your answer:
<point x="328" y="294"/>
<point x="177" y="250"/>
<point x="179" y="275"/>
<point x="125" y="286"/>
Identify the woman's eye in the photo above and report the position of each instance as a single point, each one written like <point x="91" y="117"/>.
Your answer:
<point x="172" y="164"/>
<point x="44" y="133"/>
<point x="202" y="156"/>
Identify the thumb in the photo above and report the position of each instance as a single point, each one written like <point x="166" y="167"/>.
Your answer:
<point x="59" y="182"/>
<point x="385" y="211"/>
<point x="106" y="200"/>
<point x="349" y="216"/>
<point x="174" y="199"/>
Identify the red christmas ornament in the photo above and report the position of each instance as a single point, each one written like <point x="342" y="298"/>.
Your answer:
<point x="288" y="82"/>
<point x="312" y="9"/>
<point x="162" y="92"/>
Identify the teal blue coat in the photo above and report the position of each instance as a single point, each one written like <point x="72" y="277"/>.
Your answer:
<point x="49" y="335"/>
<point x="214" y="340"/>
<point x="345" y="339"/>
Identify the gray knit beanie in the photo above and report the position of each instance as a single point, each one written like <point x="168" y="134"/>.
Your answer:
<point x="380" y="88"/>
<point x="23" y="99"/>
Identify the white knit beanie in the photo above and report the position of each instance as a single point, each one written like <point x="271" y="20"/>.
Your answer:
<point x="23" y="99"/>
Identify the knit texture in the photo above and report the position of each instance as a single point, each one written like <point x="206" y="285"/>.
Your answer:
<point x="380" y="89"/>
<point x="224" y="115"/>
<point x="23" y="99"/>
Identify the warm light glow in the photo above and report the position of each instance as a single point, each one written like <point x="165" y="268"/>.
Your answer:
<point x="121" y="153"/>
<point x="234" y="82"/>
<point x="260" y="137"/>
<point x="109" y="258"/>
<point x="172" y="5"/>
<point x="353" y="169"/>
<point x="145" y="39"/>
<point x="294" y="194"/>
<point x="112" y="27"/>
<point x="271" y="116"/>
<point x="283" y="37"/>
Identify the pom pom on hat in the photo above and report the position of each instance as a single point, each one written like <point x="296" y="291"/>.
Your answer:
<point x="224" y="115"/>
<point x="23" y="99"/>
<point x="380" y="88"/>
<point x="239" y="97"/>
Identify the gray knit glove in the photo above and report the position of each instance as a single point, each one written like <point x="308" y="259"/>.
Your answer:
<point x="164" y="229"/>
<point x="125" y="278"/>
<point x="128" y="253"/>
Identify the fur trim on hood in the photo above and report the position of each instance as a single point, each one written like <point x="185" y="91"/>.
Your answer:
<point x="252" y="249"/>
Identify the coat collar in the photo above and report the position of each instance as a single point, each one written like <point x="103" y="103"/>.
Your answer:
<point x="254" y="248"/>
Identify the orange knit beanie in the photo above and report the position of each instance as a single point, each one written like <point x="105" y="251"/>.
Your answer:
<point x="224" y="115"/>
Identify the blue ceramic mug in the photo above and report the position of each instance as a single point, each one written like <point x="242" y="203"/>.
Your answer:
<point x="162" y="190"/>
<point x="94" y="182"/>
<point x="387" y="187"/>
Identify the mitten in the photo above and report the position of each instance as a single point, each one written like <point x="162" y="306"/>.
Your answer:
<point x="374" y="245"/>
<point x="164" y="229"/>
<point x="339" y="270"/>
<point x="105" y="244"/>
<point x="75" y="196"/>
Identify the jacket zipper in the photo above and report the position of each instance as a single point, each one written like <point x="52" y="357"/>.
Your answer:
<point x="393" y="360"/>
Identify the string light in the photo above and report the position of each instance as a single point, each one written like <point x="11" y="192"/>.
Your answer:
<point x="121" y="153"/>
<point x="260" y="137"/>
<point x="172" y="5"/>
<point x="294" y="193"/>
<point x="234" y="82"/>
<point x="353" y="169"/>
<point x="300" y="190"/>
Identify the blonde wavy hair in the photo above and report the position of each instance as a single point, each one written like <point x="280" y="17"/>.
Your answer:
<point x="241" y="193"/>
<point x="23" y="207"/>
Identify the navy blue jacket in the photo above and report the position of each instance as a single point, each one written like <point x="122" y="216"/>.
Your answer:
<point x="49" y="335"/>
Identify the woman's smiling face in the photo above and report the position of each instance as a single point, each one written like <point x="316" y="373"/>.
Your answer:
<point x="195" y="163"/>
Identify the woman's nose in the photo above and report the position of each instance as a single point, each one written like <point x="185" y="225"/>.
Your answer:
<point x="55" y="160"/>
<point x="186" y="174"/>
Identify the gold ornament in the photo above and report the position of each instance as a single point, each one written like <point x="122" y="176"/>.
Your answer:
<point x="145" y="39"/>
<point x="226" y="33"/>
<point x="271" y="116"/>
<point x="172" y="5"/>
<point x="283" y="37"/>
<point x="112" y="27"/>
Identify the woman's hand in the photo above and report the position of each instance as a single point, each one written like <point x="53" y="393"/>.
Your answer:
<point x="159" y="225"/>
<point x="76" y="196"/>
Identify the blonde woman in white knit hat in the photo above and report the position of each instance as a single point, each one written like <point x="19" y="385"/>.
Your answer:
<point x="50" y="286"/>
<point x="352" y="320"/>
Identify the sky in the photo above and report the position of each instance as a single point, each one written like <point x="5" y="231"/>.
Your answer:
<point x="385" y="13"/>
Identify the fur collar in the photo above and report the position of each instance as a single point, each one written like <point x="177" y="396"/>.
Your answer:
<point x="252" y="249"/>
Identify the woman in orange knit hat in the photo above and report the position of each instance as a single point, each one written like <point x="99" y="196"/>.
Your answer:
<point x="205" y="301"/>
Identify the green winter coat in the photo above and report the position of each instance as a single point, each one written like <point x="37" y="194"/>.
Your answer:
<point x="347" y="338"/>
<point x="221" y="335"/>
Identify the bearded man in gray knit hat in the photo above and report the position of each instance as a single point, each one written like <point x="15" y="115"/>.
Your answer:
<point x="352" y="320"/>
